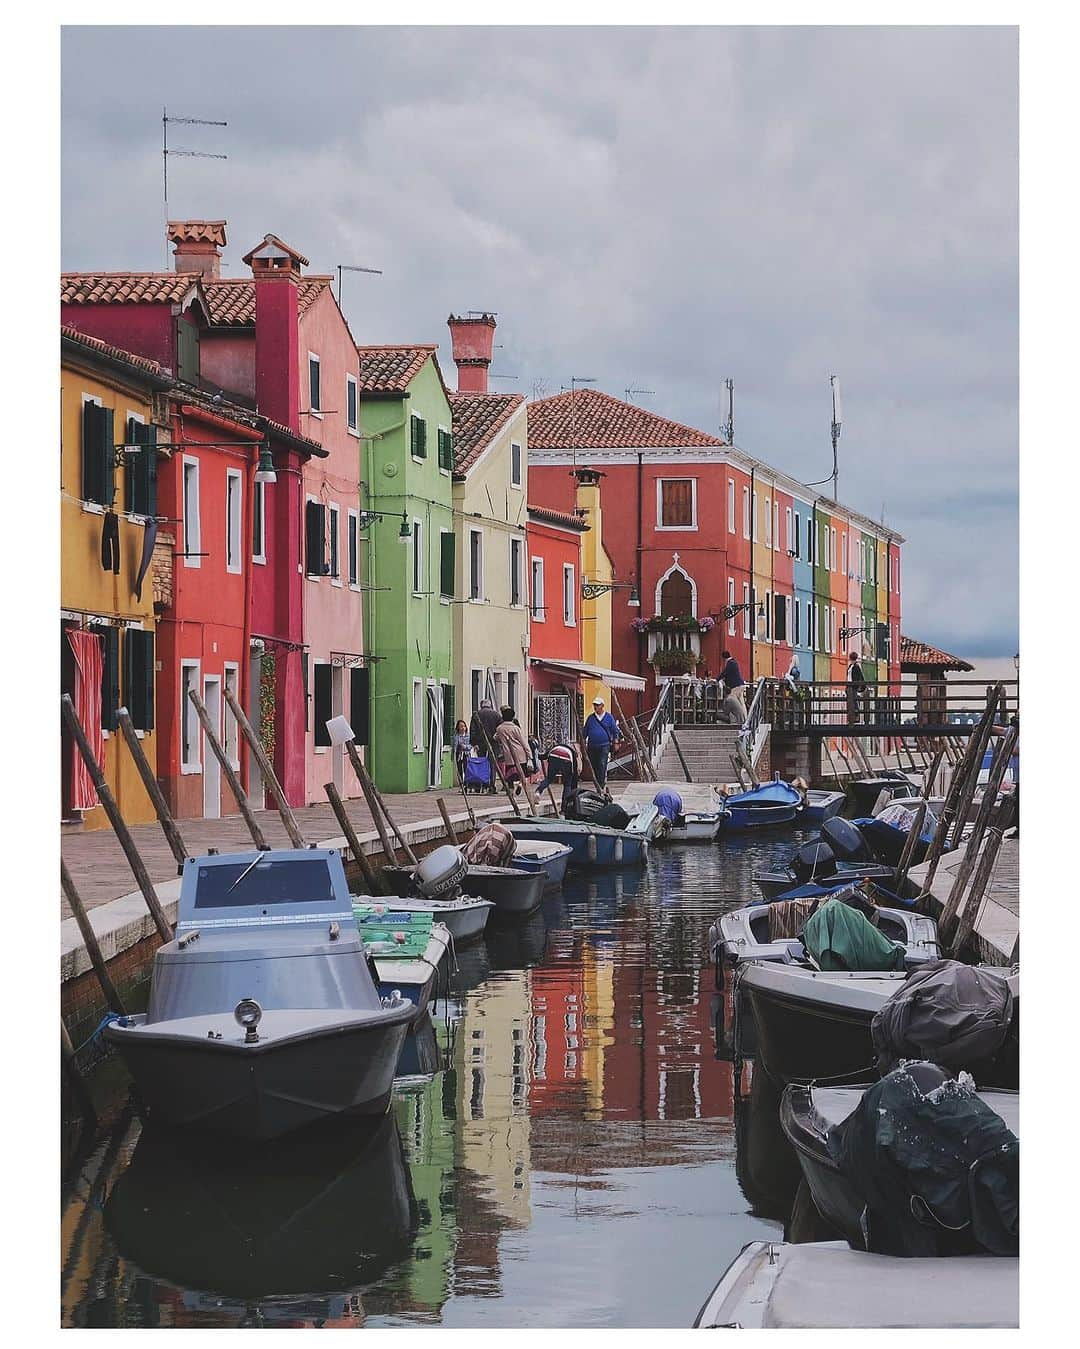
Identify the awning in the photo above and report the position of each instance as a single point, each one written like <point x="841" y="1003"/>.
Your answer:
<point x="577" y="669"/>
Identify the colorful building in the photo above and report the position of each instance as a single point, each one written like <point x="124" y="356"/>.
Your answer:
<point x="554" y="548"/>
<point x="109" y="398"/>
<point x="406" y="415"/>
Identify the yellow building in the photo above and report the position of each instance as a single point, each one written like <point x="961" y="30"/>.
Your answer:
<point x="596" y="569"/>
<point x="108" y="490"/>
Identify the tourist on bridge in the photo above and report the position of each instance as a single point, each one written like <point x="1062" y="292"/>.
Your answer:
<point x="731" y="677"/>
<point x="601" y="732"/>
<point x="856" y="687"/>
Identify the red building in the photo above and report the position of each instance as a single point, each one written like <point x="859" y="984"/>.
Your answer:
<point x="553" y="538"/>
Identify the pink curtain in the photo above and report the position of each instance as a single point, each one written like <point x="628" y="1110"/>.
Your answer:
<point x="86" y="647"/>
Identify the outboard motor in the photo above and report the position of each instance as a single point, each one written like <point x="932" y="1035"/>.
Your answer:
<point x="845" y="840"/>
<point x="441" y="872"/>
<point x="813" y="859"/>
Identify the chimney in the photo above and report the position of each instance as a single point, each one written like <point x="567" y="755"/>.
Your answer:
<point x="277" y="269"/>
<point x="472" y="339"/>
<point x="198" y="246"/>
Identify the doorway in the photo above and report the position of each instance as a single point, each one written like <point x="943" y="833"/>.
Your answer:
<point x="256" y="787"/>
<point x="210" y="765"/>
<point x="435" y="735"/>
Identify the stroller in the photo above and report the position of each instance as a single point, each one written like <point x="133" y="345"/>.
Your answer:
<point x="477" y="774"/>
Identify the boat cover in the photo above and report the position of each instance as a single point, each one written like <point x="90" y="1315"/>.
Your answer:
<point x="813" y="859"/>
<point x="955" y="1014"/>
<point x="788" y="917"/>
<point x="938" y="1170"/>
<point x="491" y="846"/>
<point x="393" y="934"/>
<point x="768" y="794"/>
<point x="669" y="804"/>
<point x="839" y="937"/>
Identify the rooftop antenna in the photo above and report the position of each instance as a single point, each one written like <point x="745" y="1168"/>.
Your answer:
<point x="837" y="419"/>
<point x="575" y="380"/>
<point x="728" y="428"/>
<point x="166" y="122"/>
<point x="632" y="393"/>
<point x="344" y="267"/>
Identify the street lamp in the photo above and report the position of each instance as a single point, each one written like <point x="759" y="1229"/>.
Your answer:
<point x="265" y="471"/>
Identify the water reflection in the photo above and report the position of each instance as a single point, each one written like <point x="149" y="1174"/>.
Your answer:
<point x="565" y="1149"/>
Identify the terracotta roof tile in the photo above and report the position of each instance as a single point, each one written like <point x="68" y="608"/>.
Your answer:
<point x="547" y="515"/>
<point x="913" y="652"/>
<point x="231" y="301"/>
<point x="478" y="417"/>
<point x="390" y="369"/>
<point x="126" y="287"/>
<point x="197" y="232"/>
<point x="143" y="363"/>
<point x="596" y="420"/>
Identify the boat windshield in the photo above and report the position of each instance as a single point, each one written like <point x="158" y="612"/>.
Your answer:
<point x="295" y="881"/>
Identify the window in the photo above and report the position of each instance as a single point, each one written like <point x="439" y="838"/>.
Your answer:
<point x="787" y="528"/>
<point x="676" y="503"/>
<point x="324" y="702"/>
<point x="187" y="351"/>
<point x="776" y="526"/>
<point x="731" y="505"/>
<point x="746" y="512"/>
<point x="476" y="688"/>
<point x="515" y="464"/>
<point x="139" y="677"/>
<point x="359" y="702"/>
<point x="516" y="555"/>
<point x="796" y="638"/>
<point x="512" y="690"/>
<point x="447" y="563"/>
<point x="537" y="590"/>
<point x="314" y="396"/>
<point x="810" y="539"/>
<point x="352" y="404"/>
<point x="110" y="677"/>
<point x="233" y="487"/>
<point x="780" y="627"/>
<point x="353" y="548"/>
<point x="746" y="611"/>
<point x="768" y="615"/>
<point x="476" y="564"/>
<point x="795" y="539"/>
<point x="768" y="523"/>
<point x="446" y="450"/>
<point x="192" y="527"/>
<point x="731" y="600"/>
<point x="334" y="515"/>
<point x="258" y="523"/>
<point x="418" y="716"/>
<point x="417" y="557"/>
<point x="315" y="538"/>
<point x="832" y="549"/>
<point x="189" y="721"/>
<point x="754" y="517"/>
<point x="843" y="551"/>
<point x="569" y="597"/>
<point x="231" y="727"/>
<point x="417" y="437"/>
<point x="140" y="468"/>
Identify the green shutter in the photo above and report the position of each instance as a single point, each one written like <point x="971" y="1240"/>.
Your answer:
<point x="448" y="714"/>
<point x="140" y="470"/>
<point x="149" y="468"/>
<point x="187" y="351"/>
<point x="446" y="450"/>
<point x="323" y="703"/>
<point x="98" y="455"/>
<point x="139" y="677"/>
<point x="110" y="677"/>
<point x="418" y="437"/>
<point x="447" y="564"/>
<point x="359" y="703"/>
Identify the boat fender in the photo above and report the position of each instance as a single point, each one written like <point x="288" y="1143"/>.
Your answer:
<point x="618" y="850"/>
<point x="591" y="848"/>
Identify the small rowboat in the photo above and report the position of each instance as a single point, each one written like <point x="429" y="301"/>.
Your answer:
<point x="696" y="827"/>
<point x="463" y="916"/>
<point x="770" y="804"/>
<point x="591" y="845"/>
<point x="543" y="855"/>
<point x="513" y="890"/>
<point x="407" y="949"/>
<point x="820" y="806"/>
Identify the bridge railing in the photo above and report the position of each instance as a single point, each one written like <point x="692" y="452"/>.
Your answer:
<point x="885" y="707"/>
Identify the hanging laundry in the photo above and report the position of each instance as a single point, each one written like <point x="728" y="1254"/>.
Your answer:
<point x="86" y="647"/>
<point x="149" y="539"/>
<point x="110" y="542"/>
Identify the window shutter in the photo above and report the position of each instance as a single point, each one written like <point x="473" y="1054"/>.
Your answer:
<point x="359" y="695"/>
<point x="99" y="473"/>
<point x="149" y="457"/>
<point x="418" y="431"/>
<point x="780" y="618"/>
<point x="447" y="564"/>
<point x="304" y="662"/>
<point x="139" y="677"/>
<point x="448" y="714"/>
<point x="882" y="642"/>
<point x="110" y="677"/>
<point x="187" y="351"/>
<point x="315" y="531"/>
<point x="323" y="703"/>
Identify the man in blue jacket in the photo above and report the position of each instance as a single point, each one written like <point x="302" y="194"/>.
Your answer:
<point x="601" y="732"/>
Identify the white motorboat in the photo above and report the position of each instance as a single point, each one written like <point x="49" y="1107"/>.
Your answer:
<point x="696" y="827"/>
<point x="464" y="916"/>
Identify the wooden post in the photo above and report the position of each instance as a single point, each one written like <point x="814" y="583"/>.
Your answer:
<point x="678" y="751"/>
<point x="910" y="842"/>
<point x="338" y="807"/>
<point x="231" y="777"/>
<point x="450" y="831"/>
<point x="840" y="783"/>
<point x="150" y="782"/>
<point x="639" y="759"/>
<point x="931" y="773"/>
<point x="372" y="794"/>
<point x="266" y="768"/>
<point x="373" y="805"/>
<point x="82" y="1092"/>
<point x="112" y="810"/>
<point x="89" y="936"/>
<point x="971" y="780"/>
<point x="464" y="795"/>
<point x="956" y="786"/>
<point x="985" y="869"/>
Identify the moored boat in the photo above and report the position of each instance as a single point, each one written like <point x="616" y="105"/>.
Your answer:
<point x="263" y="1014"/>
<point x="770" y="804"/>
<point x="446" y="873"/>
<point x="544" y="855"/>
<point x="820" y="806"/>
<point x="406" y="949"/>
<point x="780" y="884"/>
<point x="696" y="827"/>
<point x="464" y="916"/>
<point x="591" y="845"/>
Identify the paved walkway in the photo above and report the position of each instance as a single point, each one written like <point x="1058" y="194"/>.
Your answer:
<point x="101" y="872"/>
<point x="997" y="928"/>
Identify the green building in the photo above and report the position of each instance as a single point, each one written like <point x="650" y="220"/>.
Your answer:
<point x="406" y="477"/>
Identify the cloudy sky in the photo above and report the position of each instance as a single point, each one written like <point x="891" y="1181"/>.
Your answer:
<point x="657" y="208"/>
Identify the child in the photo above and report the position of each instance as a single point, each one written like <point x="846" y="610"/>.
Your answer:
<point x="462" y="747"/>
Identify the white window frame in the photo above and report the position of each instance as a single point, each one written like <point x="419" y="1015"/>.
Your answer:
<point x="569" y="595"/>
<point x="517" y="551"/>
<point x="793" y="624"/>
<point x="419" y="715"/>
<point x="313" y="359"/>
<point x="661" y="528"/>
<point x="478" y="597"/>
<point x="798" y="538"/>
<point x="746" y="512"/>
<point x="516" y="481"/>
<point x="787" y="527"/>
<point x="843" y="552"/>
<point x="746" y="613"/>
<point x="753" y="516"/>
<point x="333" y="552"/>
<point x="234" y="521"/>
<point x="351" y="382"/>
<point x="538" y="612"/>
<point x="731" y="600"/>
<point x="194" y="726"/>
<point x="832" y="548"/>
<point x="230" y="727"/>
<point x="192" y="527"/>
<point x="417" y="556"/>
<point x="475" y="683"/>
<point x="768" y="616"/>
<point x="731" y="505"/>
<point x="260" y="496"/>
<point x="352" y="539"/>
<point x="319" y="749"/>
<point x="768" y="522"/>
<point x="776" y="525"/>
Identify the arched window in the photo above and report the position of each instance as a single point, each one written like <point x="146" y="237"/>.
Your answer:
<point x="676" y="595"/>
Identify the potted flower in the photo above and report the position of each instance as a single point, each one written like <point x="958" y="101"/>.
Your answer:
<point x="675" y="661"/>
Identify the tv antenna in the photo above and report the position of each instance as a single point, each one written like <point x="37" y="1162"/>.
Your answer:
<point x="837" y="420"/>
<point x="632" y="393"/>
<point x="166" y="152"/>
<point x="575" y="380"/>
<point x="344" y="267"/>
<point x="728" y="428"/>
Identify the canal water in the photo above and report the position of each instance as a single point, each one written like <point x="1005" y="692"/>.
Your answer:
<point x="568" y="1149"/>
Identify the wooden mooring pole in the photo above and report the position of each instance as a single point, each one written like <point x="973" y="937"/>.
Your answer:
<point x="903" y="866"/>
<point x="377" y="804"/>
<point x="983" y="872"/>
<point x="266" y="768"/>
<point x="93" y="948"/>
<point x="153" y="790"/>
<point x="451" y="832"/>
<point x="338" y="806"/>
<point x="112" y="810"/>
<point x="231" y="776"/>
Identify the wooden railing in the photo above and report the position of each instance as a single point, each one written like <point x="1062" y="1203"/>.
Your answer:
<point x="884" y="707"/>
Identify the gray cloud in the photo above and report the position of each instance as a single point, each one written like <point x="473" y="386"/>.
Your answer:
<point x="654" y="207"/>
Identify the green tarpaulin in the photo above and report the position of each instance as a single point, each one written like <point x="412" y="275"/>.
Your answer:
<point x="840" y="938"/>
<point x="389" y="934"/>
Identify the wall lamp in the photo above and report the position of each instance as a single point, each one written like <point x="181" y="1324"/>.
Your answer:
<point x="845" y="633"/>
<point x="367" y="518"/>
<point x="730" y="610"/>
<point x="593" y="590"/>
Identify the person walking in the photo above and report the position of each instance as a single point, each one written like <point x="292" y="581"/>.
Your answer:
<point x="512" y="748"/>
<point x="856" y="682"/>
<point x="562" y="766"/>
<point x="462" y="747"/>
<point x="601" y="731"/>
<point x="731" y="678"/>
<point x="731" y="711"/>
<point x="485" y="718"/>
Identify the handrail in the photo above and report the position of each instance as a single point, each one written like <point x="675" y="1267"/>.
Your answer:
<point x="748" y="731"/>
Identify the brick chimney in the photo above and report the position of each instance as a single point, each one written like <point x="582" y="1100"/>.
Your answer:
<point x="198" y="246"/>
<point x="472" y="339"/>
<point x="277" y="269"/>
